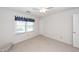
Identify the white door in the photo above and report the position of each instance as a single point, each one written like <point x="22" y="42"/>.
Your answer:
<point x="76" y="30"/>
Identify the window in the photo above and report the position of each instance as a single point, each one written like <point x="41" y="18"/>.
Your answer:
<point x="20" y="26"/>
<point x="24" y="25"/>
<point x="29" y="26"/>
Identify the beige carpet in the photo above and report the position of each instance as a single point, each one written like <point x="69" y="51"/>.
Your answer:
<point x="42" y="44"/>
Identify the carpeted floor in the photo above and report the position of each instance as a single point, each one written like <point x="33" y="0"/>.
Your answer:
<point x="42" y="44"/>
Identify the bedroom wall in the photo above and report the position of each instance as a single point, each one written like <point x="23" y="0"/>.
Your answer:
<point x="7" y="27"/>
<point x="59" y="26"/>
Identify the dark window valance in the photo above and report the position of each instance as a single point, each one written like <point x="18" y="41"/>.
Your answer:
<point x="18" y="18"/>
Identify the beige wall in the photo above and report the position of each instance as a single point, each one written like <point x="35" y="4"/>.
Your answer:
<point x="7" y="27"/>
<point x="59" y="25"/>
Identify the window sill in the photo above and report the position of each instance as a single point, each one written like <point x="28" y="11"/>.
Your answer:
<point x="24" y="32"/>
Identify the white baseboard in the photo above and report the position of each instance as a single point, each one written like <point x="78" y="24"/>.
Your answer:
<point x="24" y="39"/>
<point x="51" y="37"/>
<point x="6" y="47"/>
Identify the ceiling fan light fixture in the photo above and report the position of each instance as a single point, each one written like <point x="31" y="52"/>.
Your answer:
<point x="43" y="10"/>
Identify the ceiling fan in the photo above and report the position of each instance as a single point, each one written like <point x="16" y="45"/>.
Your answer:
<point x="43" y="9"/>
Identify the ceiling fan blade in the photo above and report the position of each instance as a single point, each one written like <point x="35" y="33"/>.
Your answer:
<point x="35" y="9"/>
<point x="49" y="7"/>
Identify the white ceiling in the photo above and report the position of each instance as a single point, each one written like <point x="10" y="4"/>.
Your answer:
<point x="35" y="11"/>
